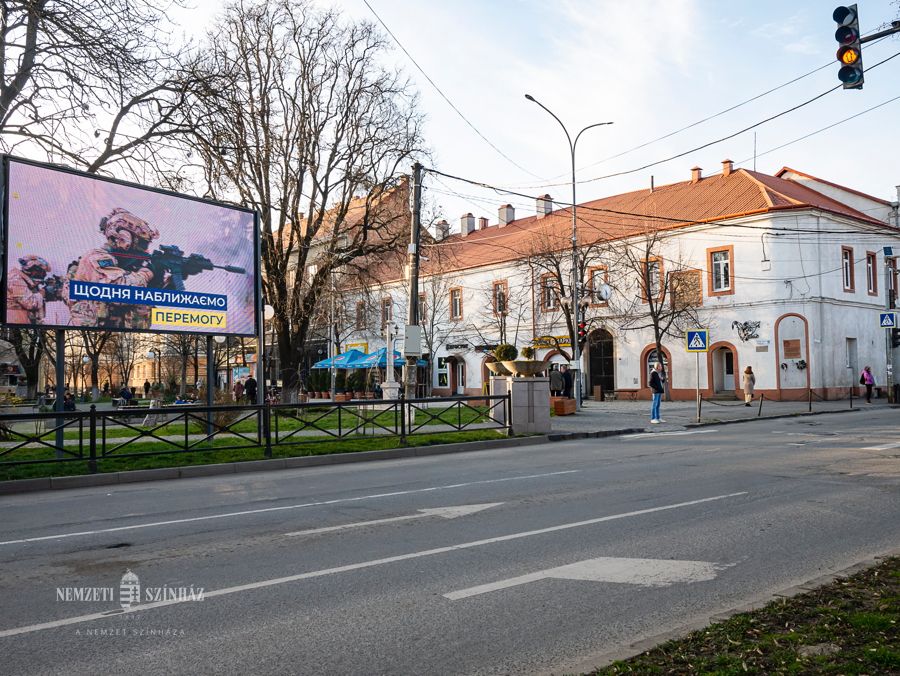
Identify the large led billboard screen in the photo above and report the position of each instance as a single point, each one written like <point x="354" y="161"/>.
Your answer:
<point x="87" y="252"/>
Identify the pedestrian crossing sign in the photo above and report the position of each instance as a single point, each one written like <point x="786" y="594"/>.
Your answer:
<point x="887" y="320"/>
<point x="696" y="340"/>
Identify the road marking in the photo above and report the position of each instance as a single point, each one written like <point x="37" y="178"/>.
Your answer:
<point x="443" y="512"/>
<point x="884" y="447"/>
<point x="359" y="566"/>
<point x="643" y="572"/>
<point x="226" y="515"/>
<point x="665" y="434"/>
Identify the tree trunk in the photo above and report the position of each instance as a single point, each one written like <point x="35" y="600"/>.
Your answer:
<point x="95" y="378"/>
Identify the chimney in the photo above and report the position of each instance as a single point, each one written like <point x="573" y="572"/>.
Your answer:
<point x="727" y="167"/>
<point x="651" y="183"/>
<point x="543" y="205"/>
<point x="466" y="224"/>
<point x="696" y="174"/>
<point x="482" y="222"/>
<point x="442" y="229"/>
<point x="506" y="213"/>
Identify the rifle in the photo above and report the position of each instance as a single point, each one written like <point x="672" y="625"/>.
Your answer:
<point x="52" y="287"/>
<point x="170" y="258"/>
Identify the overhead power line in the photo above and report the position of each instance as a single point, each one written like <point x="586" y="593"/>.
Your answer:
<point x="445" y="97"/>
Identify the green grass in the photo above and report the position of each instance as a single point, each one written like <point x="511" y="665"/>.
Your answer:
<point x="316" y="446"/>
<point x="851" y="626"/>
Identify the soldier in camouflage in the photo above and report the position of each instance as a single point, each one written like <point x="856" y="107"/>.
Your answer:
<point x="122" y="260"/>
<point x="26" y="295"/>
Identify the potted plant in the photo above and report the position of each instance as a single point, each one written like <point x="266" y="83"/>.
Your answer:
<point x="502" y="353"/>
<point x="526" y="367"/>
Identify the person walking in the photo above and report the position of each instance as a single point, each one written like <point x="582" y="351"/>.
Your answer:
<point x="749" y="384"/>
<point x="556" y="382"/>
<point x="146" y="389"/>
<point x="238" y="391"/>
<point x="657" y="387"/>
<point x="866" y="378"/>
<point x="567" y="382"/>
<point x="250" y="390"/>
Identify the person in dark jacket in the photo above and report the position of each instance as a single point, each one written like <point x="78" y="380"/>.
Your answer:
<point x="250" y="390"/>
<point x="556" y="382"/>
<point x="657" y="387"/>
<point x="567" y="382"/>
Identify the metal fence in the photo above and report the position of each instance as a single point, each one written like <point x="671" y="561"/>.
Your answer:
<point x="95" y="436"/>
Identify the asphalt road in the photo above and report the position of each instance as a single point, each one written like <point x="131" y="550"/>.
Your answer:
<point x="569" y="551"/>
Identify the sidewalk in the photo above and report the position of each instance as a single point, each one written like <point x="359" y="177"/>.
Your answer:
<point x="599" y="416"/>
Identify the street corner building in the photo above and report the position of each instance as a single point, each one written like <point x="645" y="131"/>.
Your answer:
<point x="789" y="273"/>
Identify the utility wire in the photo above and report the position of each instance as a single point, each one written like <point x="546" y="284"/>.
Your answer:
<point x="444" y="96"/>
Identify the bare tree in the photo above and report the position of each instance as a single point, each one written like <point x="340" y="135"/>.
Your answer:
<point x="548" y="262"/>
<point x="502" y="310"/>
<point x="308" y="128"/>
<point x="29" y="346"/>
<point x="181" y="348"/>
<point x="123" y="350"/>
<point x="655" y="288"/>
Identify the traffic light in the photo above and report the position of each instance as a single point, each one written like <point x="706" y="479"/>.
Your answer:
<point x="582" y="331"/>
<point x="895" y="337"/>
<point x="850" y="51"/>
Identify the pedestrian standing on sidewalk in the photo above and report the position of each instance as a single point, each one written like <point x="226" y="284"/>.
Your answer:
<point x="866" y="378"/>
<point x="749" y="384"/>
<point x="657" y="387"/>
<point x="556" y="382"/>
<point x="567" y="382"/>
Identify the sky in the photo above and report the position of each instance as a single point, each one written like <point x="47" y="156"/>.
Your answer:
<point x="651" y="67"/>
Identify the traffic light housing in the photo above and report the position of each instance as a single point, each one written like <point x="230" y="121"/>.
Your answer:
<point x="582" y="331"/>
<point x="849" y="53"/>
<point x="895" y="337"/>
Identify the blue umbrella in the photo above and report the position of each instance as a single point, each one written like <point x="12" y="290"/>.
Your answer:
<point x="379" y="359"/>
<point x="346" y="360"/>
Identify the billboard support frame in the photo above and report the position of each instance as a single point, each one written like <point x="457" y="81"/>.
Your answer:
<point x="60" y="391"/>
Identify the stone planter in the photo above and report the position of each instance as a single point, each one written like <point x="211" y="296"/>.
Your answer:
<point x="497" y="368"/>
<point x="525" y="368"/>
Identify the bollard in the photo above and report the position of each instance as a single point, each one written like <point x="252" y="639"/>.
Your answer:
<point x="809" y="398"/>
<point x="92" y="463"/>
<point x="761" y="397"/>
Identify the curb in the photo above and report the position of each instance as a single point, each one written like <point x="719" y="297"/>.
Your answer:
<point x="801" y="414"/>
<point x="191" y="471"/>
<point x="638" y="647"/>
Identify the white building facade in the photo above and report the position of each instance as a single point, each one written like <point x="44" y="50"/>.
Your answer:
<point x="788" y="272"/>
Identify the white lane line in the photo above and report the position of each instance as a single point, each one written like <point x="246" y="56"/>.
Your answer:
<point x="883" y="447"/>
<point x="226" y="515"/>
<point x="643" y="572"/>
<point x="443" y="512"/>
<point x="359" y="566"/>
<point x="643" y="435"/>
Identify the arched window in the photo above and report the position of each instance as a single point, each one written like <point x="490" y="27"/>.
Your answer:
<point x="651" y="362"/>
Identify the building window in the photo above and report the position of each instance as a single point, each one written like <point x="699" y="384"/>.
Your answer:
<point x="687" y="289"/>
<point x="599" y="276"/>
<point x="549" y="293"/>
<point x="721" y="270"/>
<point x="456" y="304"/>
<point x="892" y="282"/>
<point x="422" y="317"/>
<point x="499" y="295"/>
<point x="651" y="282"/>
<point x="871" y="273"/>
<point x="360" y="315"/>
<point x="847" y="268"/>
<point x="650" y="364"/>
<point x="387" y="311"/>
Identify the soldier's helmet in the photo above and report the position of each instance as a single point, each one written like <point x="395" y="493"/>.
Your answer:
<point x="33" y="265"/>
<point x="122" y="219"/>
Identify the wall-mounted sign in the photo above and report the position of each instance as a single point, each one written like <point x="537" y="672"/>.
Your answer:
<point x="457" y="346"/>
<point x="551" y="341"/>
<point x="791" y="349"/>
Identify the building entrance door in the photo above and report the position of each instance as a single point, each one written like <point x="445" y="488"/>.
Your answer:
<point x="601" y="361"/>
<point x="723" y="370"/>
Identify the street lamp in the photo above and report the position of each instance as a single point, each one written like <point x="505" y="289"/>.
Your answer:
<point x="268" y="315"/>
<point x="576" y="350"/>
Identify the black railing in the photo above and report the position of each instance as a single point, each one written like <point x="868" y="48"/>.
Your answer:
<point x="95" y="436"/>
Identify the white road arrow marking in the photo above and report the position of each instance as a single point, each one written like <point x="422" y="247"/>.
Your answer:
<point x="443" y="512"/>
<point x="643" y="572"/>
<point x="261" y="584"/>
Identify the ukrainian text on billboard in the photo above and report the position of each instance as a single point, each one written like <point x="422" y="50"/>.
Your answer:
<point x="85" y="252"/>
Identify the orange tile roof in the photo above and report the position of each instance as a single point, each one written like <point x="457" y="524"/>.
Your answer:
<point x="781" y="172"/>
<point x="713" y="198"/>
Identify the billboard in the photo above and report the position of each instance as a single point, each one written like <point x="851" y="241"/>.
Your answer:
<point x="86" y="252"/>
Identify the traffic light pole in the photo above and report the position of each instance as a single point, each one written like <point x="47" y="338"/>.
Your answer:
<point x="895" y="28"/>
<point x="888" y="335"/>
<point x="409" y="368"/>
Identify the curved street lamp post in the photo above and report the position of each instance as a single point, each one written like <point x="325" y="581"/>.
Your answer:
<point x="574" y="309"/>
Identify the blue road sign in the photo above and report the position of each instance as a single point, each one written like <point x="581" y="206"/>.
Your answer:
<point x="887" y="320"/>
<point x="696" y="340"/>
